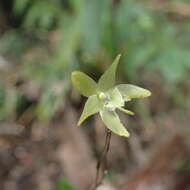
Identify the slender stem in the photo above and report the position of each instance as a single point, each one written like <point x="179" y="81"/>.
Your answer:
<point x="102" y="162"/>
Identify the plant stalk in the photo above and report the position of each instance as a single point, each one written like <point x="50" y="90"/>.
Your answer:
<point x="102" y="162"/>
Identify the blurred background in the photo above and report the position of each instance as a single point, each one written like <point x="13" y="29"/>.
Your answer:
<point x="42" y="42"/>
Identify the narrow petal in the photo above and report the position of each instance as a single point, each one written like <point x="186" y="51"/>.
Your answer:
<point x="112" y="122"/>
<point x="130" y="91"/>
<point x="83" y="83"/>
<point x="107" y="80"/>
<point x="126" y="111"/>
<point x="91" y="107"/>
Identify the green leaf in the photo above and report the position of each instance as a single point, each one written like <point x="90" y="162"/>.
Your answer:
<point x="83" y="83"/>
<point x="92" y="106"/>
<point x="63" y="184"/>
<point x="112" y="122"/>
<point x="107" y="80"/>
<point x="116" y="99"/>
<point x="130" y="91"/>
<point x="19" y="6"/>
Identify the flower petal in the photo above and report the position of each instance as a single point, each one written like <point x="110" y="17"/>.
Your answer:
<point x="112" y="122"/>
<point x="83" y="83"/>
<point x="92" y="106"/>
<point x="107" y="80"/>
<point x="116" y="99"/>
<point x="130" y="91"/>
<point x="126" y="111"/>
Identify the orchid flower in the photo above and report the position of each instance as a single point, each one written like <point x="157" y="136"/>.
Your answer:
<point x="105" y="97"/>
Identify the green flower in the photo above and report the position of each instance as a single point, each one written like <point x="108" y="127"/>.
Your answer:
<point x="104" y="97"/>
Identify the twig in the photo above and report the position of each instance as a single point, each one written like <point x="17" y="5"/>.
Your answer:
<point x="102" y="161"/>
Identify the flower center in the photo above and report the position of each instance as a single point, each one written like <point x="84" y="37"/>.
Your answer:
<point x="102" y="96"/>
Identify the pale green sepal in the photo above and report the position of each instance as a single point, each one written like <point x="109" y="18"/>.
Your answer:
<point x="83" y="83"/>
<point x="112" y="122"/>
<point x="126" y="111"/>
<point x="92" y="106"/>
<point x="130" y="91"/>
<point x="116" y="99"/>
<point x="107" y="80"/>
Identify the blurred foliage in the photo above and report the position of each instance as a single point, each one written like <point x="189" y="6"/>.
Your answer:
<point x="183" y="165"/>
<point x="49" y="39"/>
<point x="63" y="184"/>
